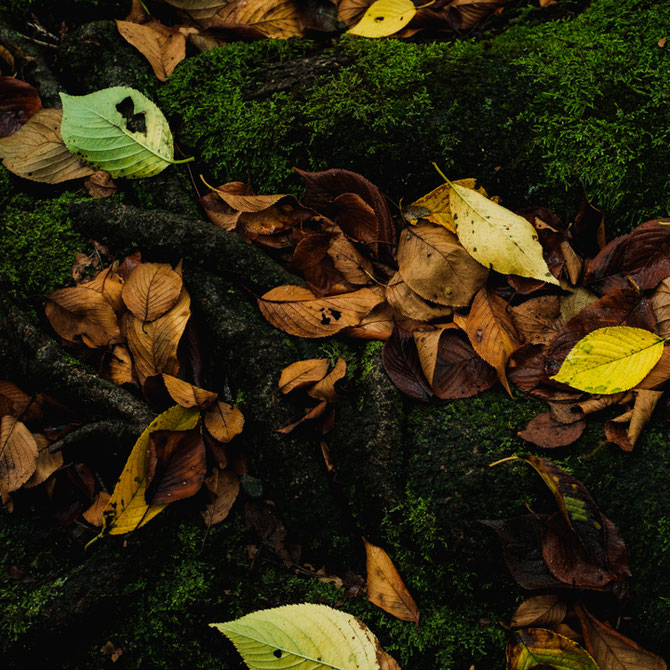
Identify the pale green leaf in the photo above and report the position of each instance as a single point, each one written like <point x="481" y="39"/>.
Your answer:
<point x="118" y="130"/>
<point x="610" y="360"/>
<point x="384" y="17"/>
<point x="496" y="237"/>
<point x="304" y="637"/>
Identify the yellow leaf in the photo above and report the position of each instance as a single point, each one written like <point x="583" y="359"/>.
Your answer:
<point x="127" y="508"/>
<point x="534" y="647"/>
<point x="496" y="237"/>
<point x="610" y="360"/>
<point x="383" y="18"/>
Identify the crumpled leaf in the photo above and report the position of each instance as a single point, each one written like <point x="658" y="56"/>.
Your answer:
<point x="385" y="587"/>
<point x="118" y="130"/>
<point x="18" y="102"/>
<point x="539" y="611"/>
<point x="496" y="237"/>
<point x="298" y="311"/>
<point x="627" y="436"/>
<point x="37" y="152"/>
<point x="223" y="487"/>
<point x="383" y="18"/>
<point x="534" y="647"/>
<point x="610" y="360"/>
<point x="18" y="455"/>
<point x="305" y="637"/>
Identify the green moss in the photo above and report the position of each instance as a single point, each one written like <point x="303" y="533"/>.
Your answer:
<point x="37" y="245"/>
<point x="540" y="113"/>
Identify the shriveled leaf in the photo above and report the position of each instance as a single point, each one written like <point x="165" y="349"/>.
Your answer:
<point x="118" y="130"/>
<point x="37" y="151"/>
<point x="188" y="395"/>
<point x="154" y="344"/>
<point x="224" y="421"/>
<point x="47" y="463"/>
<point x="545" y="431"/>
<point x="303" y="373"/>
<point x="437" y="267"/>
<point x="402" y="364"/>
<point x="534" y="647"/>
<point x="378" y="324"/>
<point x="384" y="17"/>
<point x="325" y="388"/>
<point x="404" y="300"/>
<point x="611" y="649"/>
<point x="82" y="314"/>
<point x="176" y="466"/>
<point x="151" y="290"/>
<point x="496" y="237"/>
<point x="385" y="587"/>
<point x="492" y="332"/>
<point x="163" y="47"/>
<point x="94" y="513"/>
<point x="610" y="360"/>
<point x="127" y="508"/>
<point x="305" y="637"/>
<point x="18" y="102"/>
<point x="18" y="455"/>
<point x="223" y="487"/>
<point x="539" y="611"/>
<point x="298" y="311"/>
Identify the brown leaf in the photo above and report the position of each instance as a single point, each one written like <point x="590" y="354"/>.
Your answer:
<point x="437" y="267"/>
<point x="224" y="421"/>
<point x="47" y="463"/>
<point x="176" y="466"/>
<point x="473" y="12"/>
<point x="223" y="487"/>
<point x="21" y="405"/>
<point x="163" y="47"/>
<point x="410" y="304"/>
<point x="18" y="455"/>
<point x="154" y="344"/>
<point x="303" y="373"/>
<point x="151" y="290"/>
<point x="100" y="185"/>
<point x="537" y="320"/>
<point x="543" y="611"/>
<point x="188" y="395"/>
<point x="310" y="413"/>
<point x="272" y="18"/>
<point x="18" y="102"/>
<point x="298" y="311"/>
<point x="377" y="325"/>
<point x="37" y="151"/>
<point x="545" y="431"/>
<point x="492" y="333"/>
<point x="94" y="513"/>
<point x="402" y="364"/>
<point x="120" y="366"/>
<point x="110" y="284"/>
<point x="355" y="268"/>
<point x="351" y="11"/>
<point x="613" y="651"/>
<point x="626" y="438"/>
<point x="82" y="314"/>
<point x="325" y="388"/>
<point x="660" y="302"/>
<point x="385" y="587"/>
<point x="659" y="374"/>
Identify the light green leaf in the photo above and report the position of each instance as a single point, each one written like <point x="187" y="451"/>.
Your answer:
<point x="118" y="130"/>
<point x="497" y="238"/>
<point x="610" y="360"/>
<point x="305" y="637"/>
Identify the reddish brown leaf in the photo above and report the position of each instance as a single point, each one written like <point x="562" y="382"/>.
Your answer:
<point x="545" y="431"/>
<point x="18" y="102"/>
<point x="402" y="364"/>
<point x="100" y="185"/>
<point x="537" y="320"/>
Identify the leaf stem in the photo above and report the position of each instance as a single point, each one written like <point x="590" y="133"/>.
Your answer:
<point x="504" y="460"/>
<point x="441" y="173"/>
<point x="428" y="4"/>
<point x="183" y="160"/>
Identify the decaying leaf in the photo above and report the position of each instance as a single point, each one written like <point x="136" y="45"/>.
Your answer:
<point x="151" y="290"/>
<point x="539" y="611"/>
<point x="223" y="487"/>
<point x="660" y="301"/>
<point x="539" y="647"/>
<point x="120" y="366"/>
<point x="224" y="421"/>
<point x="18" y="455"/>
<point x="303" y="373"/>
<point x="18" y="102"/>
<point x="271" y="18"/>
<point x="537" y="320"/>
<point x="385" y="587"/>
<point x="627" y="436"/>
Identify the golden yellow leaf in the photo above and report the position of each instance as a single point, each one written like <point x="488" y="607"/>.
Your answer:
<point x="610" y="360"/>
<point x="151" y="290"/>
<point x="496" y="237"/>
<point x="383" y="18"/>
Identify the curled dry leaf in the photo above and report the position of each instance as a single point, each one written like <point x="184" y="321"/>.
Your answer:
<point x="37" y="151"/>
<point x="81" y="313"/>
<point x="187" y="395"/>
<point x="199" y="9"/>
<point x="223" y="487"/>
<point x="410" y="304"/>
<point x="93" y="514"/>
<point x="545" y="431"/>
<point x="151" y="290"/>
<point x="437" y="267"/>
<point x="224" y="421"/>
<point x="385" y="587"/>
<point x="539" y="611"/>
<point x="303" y="373"/>
<point x="325" y="388"/>
<point x="163" y="47"/>
<point x="18" y="455"/>
<point x="298" y="311"/>
<point x="47" y="463"/>
<point x="626" y="437"/>
<point x="18" y="102"/>
<point x="377" y="325"/>
<point x="660" y="302"/>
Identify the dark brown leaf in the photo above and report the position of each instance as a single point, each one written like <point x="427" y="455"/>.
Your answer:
<point x="402" y="364"/>
<point x="18" y="102"/>
<point x="545" y="431"/>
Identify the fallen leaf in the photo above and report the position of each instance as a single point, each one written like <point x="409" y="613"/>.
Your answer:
<point x="82" y="314"/>
<point x="93" y="514"/>
<point x="383" y="18"/>
<point x="303" y="373"/>
<point x="37" y="151"/>
<point x="187" y="395"/>
<point x="402" y="364"/>
<point x="496" y="237"/>
<point x="355" y="268"/>
<point x="627" y="437"/>
<point x="120" y="366"/>
<point x="611" y="649"/>
<point x="385" y="587"/>
<point x="224" y="421"/>
<point x="324" y="389"/>
<point x="223" y="487"/>
<point x="18" y="455"/>
<point x="47" y="463"/>
<point x="151" y="290"/>
<point x="410" y="304"/>
<point x="533" y="647"/>
<point x="199" y="9"/>
<point x="378" y="324"/>
<point x="18" y="102"/>
<point x="298" y="311"/>
<point x="272" y="18"/>
<point x="537" y="320"/>
<point x="437" y="267"/>
<point x="100" y="185"/>
<point x="310" y="413"/>
<point x="545" y="431"/>
<point x="660" y="301"/>
<point x="19" y="404"/>
<point x="539" y="611"/>
<point x="351" y="11"/>
<point x="110" y="284"/>
<point x="163" y="47"/>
